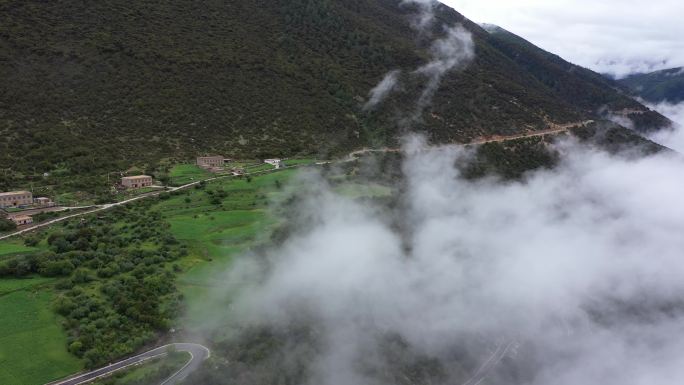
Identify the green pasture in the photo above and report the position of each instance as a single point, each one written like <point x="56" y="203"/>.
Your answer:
<point x="8" y="248"/>
<point x="32" y="342"/>
<point x="187" y="173"/>
<point x="358" y="190"/>
<point x="215" y="234"/>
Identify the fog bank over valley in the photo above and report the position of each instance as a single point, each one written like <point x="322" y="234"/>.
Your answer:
<point x="672" y="138"/>
<point x="572" y="275"/>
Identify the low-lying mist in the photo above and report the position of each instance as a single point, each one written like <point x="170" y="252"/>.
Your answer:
<point x="570" y="276"/>
<point x="673" y="137"/>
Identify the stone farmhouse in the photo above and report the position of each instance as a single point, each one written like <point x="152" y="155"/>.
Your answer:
<point x="211" y="162"/>
<point x="22" y="220"/>
<point x="16" y="199"/>
<point x="136" y="182"/>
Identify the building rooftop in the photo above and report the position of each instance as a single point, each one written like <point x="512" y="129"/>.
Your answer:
<point x="136" y="177"/>
<point x="14" y="193"/>
<point x="21" y="217"/>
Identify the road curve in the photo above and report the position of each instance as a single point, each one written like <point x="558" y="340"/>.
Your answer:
<point x="488" y="366"/>
<point x="198" y="353"/>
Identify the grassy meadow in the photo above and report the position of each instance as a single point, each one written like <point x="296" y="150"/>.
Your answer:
<point x="32" y="342"/>
<point x="187" y="173"/>
<point x="225" y="218"/>
<point x="13" y="247"/>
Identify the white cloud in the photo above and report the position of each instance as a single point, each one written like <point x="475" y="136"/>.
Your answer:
<point x="611" y="36"/>
<point x="454" y="51"/>
<point x="581" y="266"/>
<point x="388" y="84"/>
<point x="672" y="138"/>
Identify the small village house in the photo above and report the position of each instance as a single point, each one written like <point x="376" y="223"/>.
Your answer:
<point x="135" y="182"/>
<point x="43" y="202"/>
<point x="22" y="220"/>
<point x="16" y="199"/>
<point x="210" y="162"/>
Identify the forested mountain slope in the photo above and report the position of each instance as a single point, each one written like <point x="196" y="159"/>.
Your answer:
<point x="660" y="86"/>
<point x="582" y="87"/>
<point x="97" y="86"/>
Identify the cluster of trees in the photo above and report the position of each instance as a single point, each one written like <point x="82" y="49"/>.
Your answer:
<point x="6" y="225"/>
<point x="264" y="355"/>
<point x="216" y="197"/>
<point x="510" y="160"/>
<point x="117" y="289"/>
<point x="614" y="139"/>
<point x="261" y="355"/>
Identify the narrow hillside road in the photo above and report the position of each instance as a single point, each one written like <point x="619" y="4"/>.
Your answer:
<point x="554" y="129"/>
<point x="198" y="353"/>
<point x="490" y="364"/>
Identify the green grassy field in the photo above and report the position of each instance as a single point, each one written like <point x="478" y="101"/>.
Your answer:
<point x="259" y="167"/>
<point x="32" y="343"/>
<point x="216" y="234"/>
<point x="357" y="190"/>
<point x="13" y="247"/>
<point x="187" y="173"/>
<point x="299" y="161"/>
<point x="11" y="285"/>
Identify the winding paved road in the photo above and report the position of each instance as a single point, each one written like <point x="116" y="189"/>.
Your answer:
<point x="198" y="353"/>
<point x="488" y="366"/>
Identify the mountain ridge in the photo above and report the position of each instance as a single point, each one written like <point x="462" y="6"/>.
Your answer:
<point x="101" y="86"/>
<point x="659" y="86"/>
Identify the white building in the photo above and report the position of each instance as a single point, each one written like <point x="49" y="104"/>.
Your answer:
<point x="277" y="163"/>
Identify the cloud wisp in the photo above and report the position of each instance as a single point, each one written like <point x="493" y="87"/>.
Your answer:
<point x="388" y="84"/>
<point x="426" y="14"/>
<point x="581" y="267"/>
<point x="455" y="50"/>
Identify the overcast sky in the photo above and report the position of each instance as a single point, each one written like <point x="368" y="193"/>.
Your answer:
<point x="610" y="36"/>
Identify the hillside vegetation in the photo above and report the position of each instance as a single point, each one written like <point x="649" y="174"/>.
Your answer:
<point x="660" y="86"/>
<point x="101" y="86"/>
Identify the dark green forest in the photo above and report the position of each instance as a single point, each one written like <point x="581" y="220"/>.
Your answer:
<point x="96" y="87"/>
<point x="660" y="86"/>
